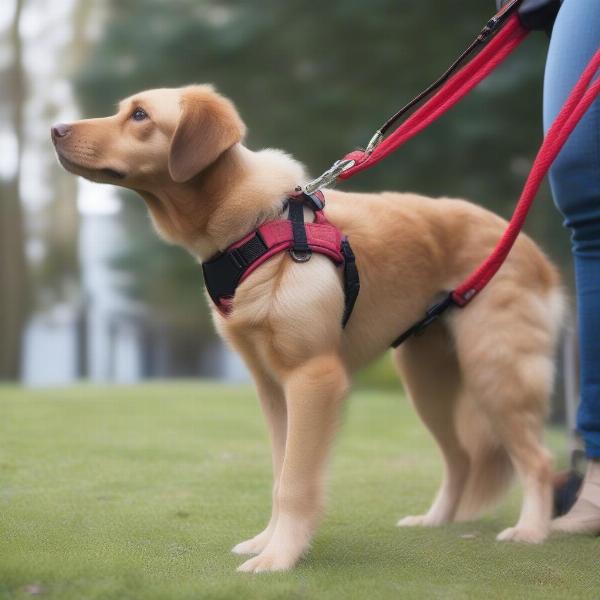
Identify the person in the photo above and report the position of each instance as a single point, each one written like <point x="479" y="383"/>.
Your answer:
<point x="575" y="183"/>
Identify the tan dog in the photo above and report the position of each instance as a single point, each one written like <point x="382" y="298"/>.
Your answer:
<point x="480" y="378"/>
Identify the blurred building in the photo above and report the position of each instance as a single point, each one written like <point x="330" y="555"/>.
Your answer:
<point x="106" y="337"/>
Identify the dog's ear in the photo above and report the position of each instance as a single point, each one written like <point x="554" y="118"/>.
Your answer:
<point x="208" y="125"/>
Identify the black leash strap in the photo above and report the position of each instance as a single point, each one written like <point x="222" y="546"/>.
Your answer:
<point x="490" y="27"/>
<point x="433" y="313"/>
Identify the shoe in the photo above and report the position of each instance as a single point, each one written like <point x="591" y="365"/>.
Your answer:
<point x="584" y="516"/>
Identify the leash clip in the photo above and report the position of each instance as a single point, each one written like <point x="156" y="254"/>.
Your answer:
<point x="433" y="313"/>
<point x="340" y="166"/>
<point x="328" y="176"/>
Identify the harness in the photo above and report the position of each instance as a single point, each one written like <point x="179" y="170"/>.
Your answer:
<point x="224" y="273"/>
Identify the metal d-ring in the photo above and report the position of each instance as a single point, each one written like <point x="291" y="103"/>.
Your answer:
<point x="302" y="256"/>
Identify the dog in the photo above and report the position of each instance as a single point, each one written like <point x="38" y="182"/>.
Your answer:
<point x="479" y="378"/>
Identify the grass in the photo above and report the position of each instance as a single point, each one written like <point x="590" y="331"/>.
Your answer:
<point x="140" y="492"/>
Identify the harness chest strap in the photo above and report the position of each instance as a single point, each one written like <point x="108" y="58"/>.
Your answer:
<point x="224" y="273"/>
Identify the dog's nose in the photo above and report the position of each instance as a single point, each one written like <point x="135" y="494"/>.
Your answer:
<point x="60" y="130"/>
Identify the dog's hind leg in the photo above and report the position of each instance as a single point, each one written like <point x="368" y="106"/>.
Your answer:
<point x="314" y="394"/>
<point x="518" y="427"/>
<point x="508" y="373"/>
<point x="521" y="434"/>
<point x="430" y="373"/>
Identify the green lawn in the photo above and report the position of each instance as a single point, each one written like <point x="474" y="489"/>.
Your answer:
<point x="140" y="492"/>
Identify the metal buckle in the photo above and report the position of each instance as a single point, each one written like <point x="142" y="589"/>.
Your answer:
<point x="300" y="257"/>
<point x="373" y="142"/>
<point x="433" y="313"/>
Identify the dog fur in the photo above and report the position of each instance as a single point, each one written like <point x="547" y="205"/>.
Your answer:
<point x="480" y="378"/>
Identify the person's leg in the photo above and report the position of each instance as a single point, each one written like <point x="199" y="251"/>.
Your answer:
<point x="575" y="183"/>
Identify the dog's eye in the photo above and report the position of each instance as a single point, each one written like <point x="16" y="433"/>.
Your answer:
<point x="139" y="114"/>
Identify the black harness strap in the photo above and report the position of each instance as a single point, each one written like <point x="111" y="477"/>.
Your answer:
<point x="223" y="273"/>
<point x="300" y="251"/>
<point x="351" y="281"/>
<point x="433" y="313"/>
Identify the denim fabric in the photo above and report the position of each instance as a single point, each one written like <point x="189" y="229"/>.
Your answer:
<point x="575" y="183"/>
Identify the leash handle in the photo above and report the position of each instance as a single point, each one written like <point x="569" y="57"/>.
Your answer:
<point x="579" y="100"/>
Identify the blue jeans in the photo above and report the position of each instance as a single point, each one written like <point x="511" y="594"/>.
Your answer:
<point x="575" y="183"/>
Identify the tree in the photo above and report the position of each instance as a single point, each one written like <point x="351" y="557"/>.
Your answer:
<point x="56" y="277"/>
<point x="13" y="267"/>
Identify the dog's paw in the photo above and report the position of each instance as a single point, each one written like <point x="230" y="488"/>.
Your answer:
<point x="268" y="561"/>
<point x="522" y="534"/>
<point x="254" y="545"/>
<point x="420" y="520"/>
<point x="411" y="521"/>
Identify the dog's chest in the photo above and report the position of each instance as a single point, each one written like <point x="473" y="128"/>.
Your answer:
<point x="285" y="312"/>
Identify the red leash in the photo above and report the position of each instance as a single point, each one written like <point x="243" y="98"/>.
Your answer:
<point x="458" y="86"/>
<point x="510" y="34"/>
<point x="579" y="100"/>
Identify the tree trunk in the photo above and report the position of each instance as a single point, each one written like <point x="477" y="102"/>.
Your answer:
<point x="13" y="268"/>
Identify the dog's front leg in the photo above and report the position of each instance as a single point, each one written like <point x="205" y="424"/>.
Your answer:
<point x="272" y="400"/>
<point x="314" y="393"/>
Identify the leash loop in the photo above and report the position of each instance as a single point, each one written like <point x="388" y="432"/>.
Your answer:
<point x="586" y="90"/>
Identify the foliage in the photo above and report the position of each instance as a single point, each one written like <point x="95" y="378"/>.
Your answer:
<point x="166" y="277"/>
<point x="14" y="276"/>
<point x="140" y="492"/>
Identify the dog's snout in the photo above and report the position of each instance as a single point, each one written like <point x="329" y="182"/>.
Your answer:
<point x="60" y="130"/>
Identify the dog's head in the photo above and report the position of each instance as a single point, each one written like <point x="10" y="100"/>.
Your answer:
<point x="156" y="137"/>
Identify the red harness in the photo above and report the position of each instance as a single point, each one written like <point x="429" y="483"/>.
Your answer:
<point x="224" y="273"/>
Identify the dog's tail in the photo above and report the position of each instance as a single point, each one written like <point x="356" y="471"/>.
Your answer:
<point x="491" y="470"/>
